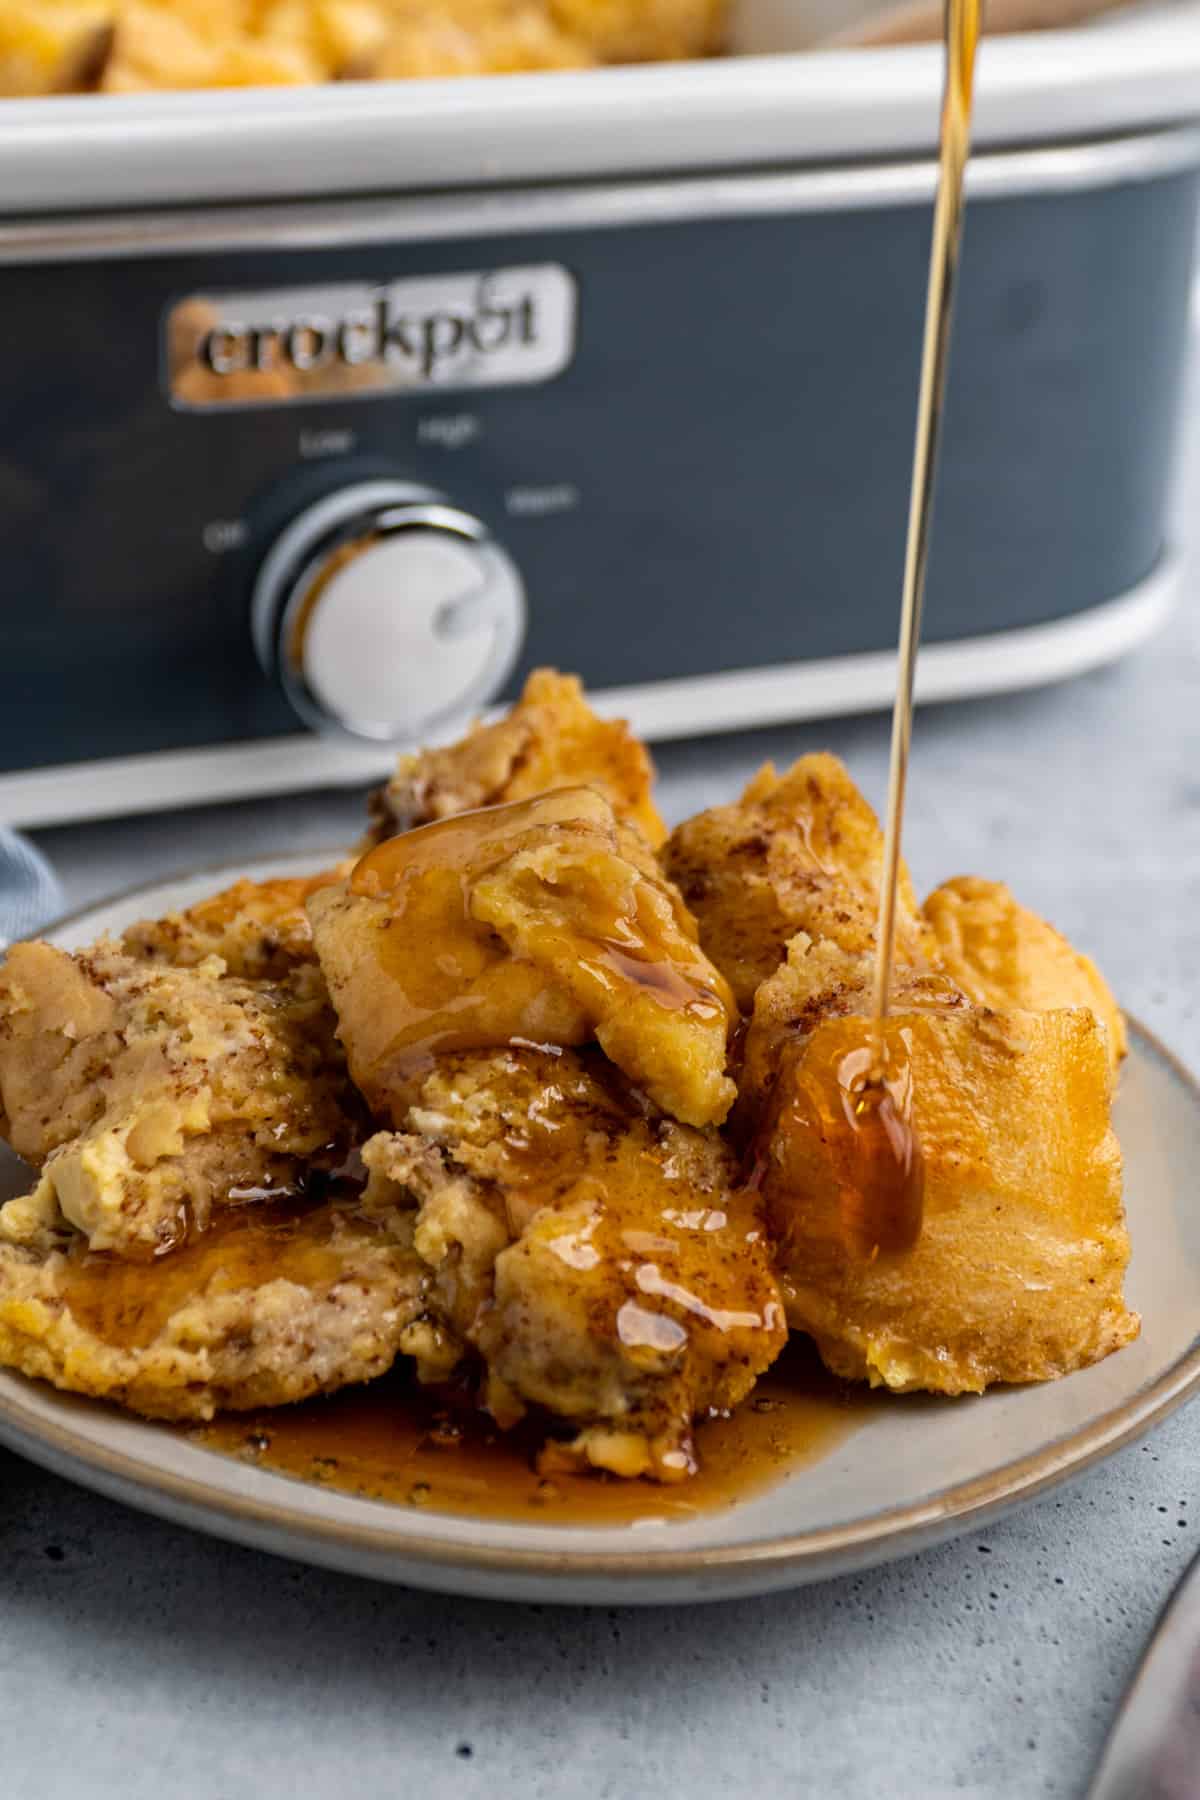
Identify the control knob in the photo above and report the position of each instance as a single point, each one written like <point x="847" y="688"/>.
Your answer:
<point x="385" y="612"/>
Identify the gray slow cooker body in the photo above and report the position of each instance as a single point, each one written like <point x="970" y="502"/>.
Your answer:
<point x="711" y="489"/>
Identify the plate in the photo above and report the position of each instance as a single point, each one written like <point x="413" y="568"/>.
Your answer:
<point x="916" y="1470"/>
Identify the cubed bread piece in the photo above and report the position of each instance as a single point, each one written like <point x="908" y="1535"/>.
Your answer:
<point x="604" y="1261"/>
<point x="801" y="851"/>
<point x="550" y="738"/>
<point x="819" y="981"/>
<point x="150" y="1097"/>
<point x="522" y="923"/>
<point x="266" y="1308"/>
<point x="155" y="47"/>
<point x="1016" y="1274"/>
<point x="259" y="929"/>
<point x="338" y="36"/>
<point x="507" y="37"/>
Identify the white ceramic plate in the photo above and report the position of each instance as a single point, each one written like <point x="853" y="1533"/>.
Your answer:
<point x="915" y="1471"/>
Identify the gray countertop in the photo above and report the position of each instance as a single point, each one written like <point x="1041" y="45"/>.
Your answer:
<point x="139" y="1661"/>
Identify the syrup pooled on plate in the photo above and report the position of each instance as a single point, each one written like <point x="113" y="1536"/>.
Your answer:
<point x="394" y="1441"/>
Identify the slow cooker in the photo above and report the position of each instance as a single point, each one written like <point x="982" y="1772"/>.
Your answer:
<point x="328" y="413"/>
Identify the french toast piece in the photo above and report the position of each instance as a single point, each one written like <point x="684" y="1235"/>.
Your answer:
<point x="259" y="929"/>
<point x="150" y="1097"/>
<point x="549" y="739"/>
<point x="1016" y="1274"/>
<point x="267" y="1307"/>
<point x="601" y="1259"/>
<point x="800" y="851"/>
<point x="818" y="981"/>
<point x="1002" y="955"/>
<point x="536" y="922"/>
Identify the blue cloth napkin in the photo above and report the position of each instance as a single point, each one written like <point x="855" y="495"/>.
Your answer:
<point x="29" y="892"/>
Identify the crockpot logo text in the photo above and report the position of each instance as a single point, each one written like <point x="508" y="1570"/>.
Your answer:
<point x="430" y="343"/>
<point x="477" y="330"/>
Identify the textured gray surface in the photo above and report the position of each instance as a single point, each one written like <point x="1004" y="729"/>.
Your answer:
<point x="139" y="1662"/>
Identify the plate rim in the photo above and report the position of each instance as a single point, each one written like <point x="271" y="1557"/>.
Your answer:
<point x="877" y="1536"/>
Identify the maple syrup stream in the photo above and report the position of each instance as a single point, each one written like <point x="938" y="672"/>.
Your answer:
<point x="962" y="24"/>
<point x="884" y="1197"/>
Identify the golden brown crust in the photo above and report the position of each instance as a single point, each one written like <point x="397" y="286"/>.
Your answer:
<point x="800" y="851"/>
<point x="525" y="922"/>
<point x="55" y="49"/>
<point x="603" y="1261"/>
<point x="498" y="37"/>
<point x="259" y="929"/>
<point x="150" y="1096"/>
<point x="1003" y="956"/>
<point x="248" y="1317"/>
<point x="1017" y="1272"/>
<point x="549" y="739"/>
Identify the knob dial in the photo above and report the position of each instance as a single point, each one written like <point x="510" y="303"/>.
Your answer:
<point x="385" y="612"/>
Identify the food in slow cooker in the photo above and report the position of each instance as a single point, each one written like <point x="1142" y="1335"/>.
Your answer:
<point x="127" y="46"/>
<point x="481" y="1098"/>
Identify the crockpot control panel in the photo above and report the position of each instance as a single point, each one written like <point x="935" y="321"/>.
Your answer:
<point x="383" y="611"/>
